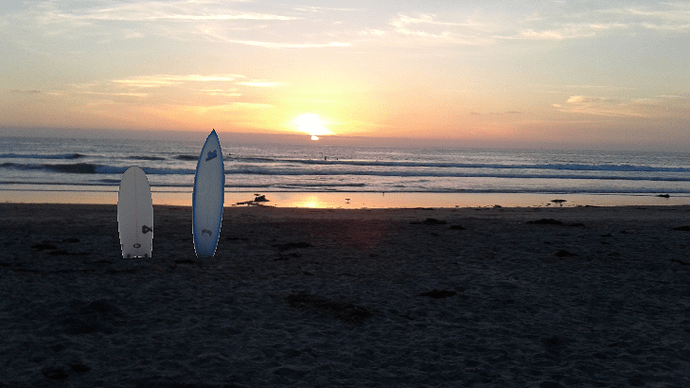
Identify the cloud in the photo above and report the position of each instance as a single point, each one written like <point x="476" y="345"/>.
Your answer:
<point x="155" y="81"/>
<point x="610" y="107"/>
<point x="231" y="92"/>
<point x="320" y="9"/>
<point x="117" y="20"/>
<point x="429" y="28"/>
<point x="231" y="106"/>
<point x="555" y="22"/>
<point x="156" y="11"/>
<point x="261" y="84"/>
<point x="561" y="24"/>
<point x="285" y="26"/>
<point x="21" y="91"/>
<point x="178" y="90"/>
<point x="289" y="45"/>
<point x="681" y="97"/>
<point x="662" y="16"/>
<point x="267" y="25"/>
<point x="561" y="33"/>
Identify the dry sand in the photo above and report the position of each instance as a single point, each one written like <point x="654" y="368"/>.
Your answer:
<point x="299" y="297"/>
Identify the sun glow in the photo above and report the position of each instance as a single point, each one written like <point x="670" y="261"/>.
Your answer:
<point x="312" y="124"/>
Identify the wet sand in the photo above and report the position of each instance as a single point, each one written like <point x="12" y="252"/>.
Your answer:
<point x="543" y="297"/>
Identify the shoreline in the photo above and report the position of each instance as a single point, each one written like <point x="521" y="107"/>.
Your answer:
<point x="500" y="297"/>
<point x="352" y="200"/>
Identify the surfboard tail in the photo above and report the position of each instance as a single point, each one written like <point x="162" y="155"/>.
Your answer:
<point x="135" y="214"/>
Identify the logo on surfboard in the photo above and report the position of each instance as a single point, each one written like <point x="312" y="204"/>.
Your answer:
<point x="145" y="229"/>
<point x="211" y="155"/>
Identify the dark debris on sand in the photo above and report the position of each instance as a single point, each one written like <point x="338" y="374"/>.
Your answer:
<point x="564" y="253"/>
<point x="429" y="221"/>
<point x="551" y="221"/>
<point x="99" y="316"/>
<point x="344" y="311"/>
<point x="438" y="294"/>
<point x="293" y="245"/>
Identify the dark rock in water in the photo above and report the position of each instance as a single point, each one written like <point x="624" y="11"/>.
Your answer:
<point x="297" y="245"/>
<point x="545" y="221"/>
<point x="684" y="228"/>
<point x="457" y="227"/>
<point x="55" y="373"/>
<point x="564" y="253"/>
<point x="664" y="196"/>
<point x="344" y="311"/>
<point x="260" y="198"/>
<point x="438" y="294"/>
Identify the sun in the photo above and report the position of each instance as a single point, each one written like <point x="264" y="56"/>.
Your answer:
<point x="312" y="124"/>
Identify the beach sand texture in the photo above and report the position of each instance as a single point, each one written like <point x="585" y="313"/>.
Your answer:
<point x="523" y="297"/>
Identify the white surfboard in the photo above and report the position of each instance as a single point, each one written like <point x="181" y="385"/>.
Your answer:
<point x="135" y="214"/>
<point x="207" y="200"/>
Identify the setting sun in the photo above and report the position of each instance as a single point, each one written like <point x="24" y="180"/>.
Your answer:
<point x="312" y="124"/>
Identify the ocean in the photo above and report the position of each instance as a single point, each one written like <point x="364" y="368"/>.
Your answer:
<point x="89" y="170"/>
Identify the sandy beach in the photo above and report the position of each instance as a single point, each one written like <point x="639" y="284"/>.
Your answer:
<point x="454" y="297"/>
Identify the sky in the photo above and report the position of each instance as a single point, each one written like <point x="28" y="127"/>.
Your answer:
<point x="589" y="74"/>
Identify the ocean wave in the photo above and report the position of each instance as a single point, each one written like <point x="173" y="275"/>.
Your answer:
<point x="426" y="164"/>
<point x="68" y="156"/>
<point x="246" y="170"/>
<point x="144" y="157"/>
<point x="107" y="185"/>
<point x="187" y="158"/>
<point x="151" y="171"/>
<point x="448" y="174"/>
<point x="76" y="168"/>
<point x="89" y="168"/>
